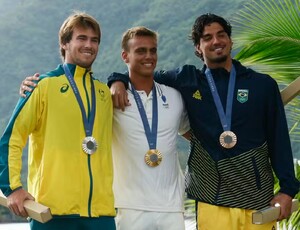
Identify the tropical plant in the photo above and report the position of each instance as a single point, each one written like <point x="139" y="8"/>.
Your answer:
<point x="267" y="37"/>
<point x="268" y="34"/>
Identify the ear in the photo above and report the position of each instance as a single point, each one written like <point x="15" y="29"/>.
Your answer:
<point x="124" y="56"/>
<point x="197" y="48"/>
<point x="63" y="46"/>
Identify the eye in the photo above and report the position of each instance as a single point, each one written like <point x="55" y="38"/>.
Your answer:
<point x="222" y="35"/>
<point x="95" y="40"/>
<point x="81" y="38"/>
<point x="153" y="51"/>
<point x="206" y="38"/>
<point x="140" y="51"/>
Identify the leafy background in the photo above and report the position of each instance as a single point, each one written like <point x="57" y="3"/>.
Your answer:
<point x="29" y="40"/>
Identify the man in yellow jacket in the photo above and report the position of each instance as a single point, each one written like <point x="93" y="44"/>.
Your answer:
<point x="68" y="119"/>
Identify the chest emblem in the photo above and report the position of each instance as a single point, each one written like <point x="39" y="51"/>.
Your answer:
<point x="197" y="95"/>
<point x="165" y="103"/>
<point x="102" y="94"/>
<point x="64" y="88"/>
<point x="242" y="95"/>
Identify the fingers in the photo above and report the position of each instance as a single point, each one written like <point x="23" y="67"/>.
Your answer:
<point x="285" y="203"/>
<point x="21" y="207"/>
<point x="22" y="211"/>
<point x="30" y="197"/>
<point x="17" y="207"/>
<point x="119" y="96"/>
<point x="118" y="101"/>
<point x="15" y="202"/>
<point x="285" y="211"/>
<point x="125" y="101"/>
<point x="28" y="84"/>
<point x="121" y="101"/>
<point x="22" y="93"/>
<point x="24" y="88"/>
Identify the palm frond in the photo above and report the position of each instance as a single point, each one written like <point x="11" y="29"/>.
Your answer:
<point x="267" y="18"/>
<point x="267" y="36"/>
<point x="263" y="55"/>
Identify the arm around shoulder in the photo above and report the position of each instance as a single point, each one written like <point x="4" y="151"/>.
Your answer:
<point x="118" y="77"/>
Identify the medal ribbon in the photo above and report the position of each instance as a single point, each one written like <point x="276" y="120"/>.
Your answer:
<point x="150" y="134"/>
<point x="88" y="122"/>
<point x="225" y="119"/>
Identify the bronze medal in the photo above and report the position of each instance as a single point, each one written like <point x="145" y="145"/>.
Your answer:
<point x="89" y="145"/>
<point x="228" y="139"/>
<point x="153" y="157"/>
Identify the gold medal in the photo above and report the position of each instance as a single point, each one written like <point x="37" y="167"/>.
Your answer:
<point x="228" y="139"/>
<point x="89" y="145"/>
<point x="153" y="157"/>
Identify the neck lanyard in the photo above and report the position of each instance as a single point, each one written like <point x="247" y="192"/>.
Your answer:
<point x="225" y="118"/>
<point x="150" y="134"/>
<point x="88" y="122"/>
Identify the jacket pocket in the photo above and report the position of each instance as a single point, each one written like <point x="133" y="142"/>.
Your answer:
<point x="256" y="172"/>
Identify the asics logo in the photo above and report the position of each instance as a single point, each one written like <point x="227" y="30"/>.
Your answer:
<point x="64" y="88"/>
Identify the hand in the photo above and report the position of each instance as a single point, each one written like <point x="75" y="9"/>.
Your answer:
<point x="285" y="202"/>
<point x="15" y="202"/>
<point x="27" y="84"/>
<point x="119" y="95"/>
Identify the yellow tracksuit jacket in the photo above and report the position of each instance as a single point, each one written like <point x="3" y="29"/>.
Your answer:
<point x="60" y="175"/>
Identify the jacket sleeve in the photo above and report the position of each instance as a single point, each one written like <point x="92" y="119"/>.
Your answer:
<point x="177" y="78"/>
<point x="13" y="140"/>
<point x="279" y="143"/>
<point x="166" y="77"/>
<point x="123" y="77"/>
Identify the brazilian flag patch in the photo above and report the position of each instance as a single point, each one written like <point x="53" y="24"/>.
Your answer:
<point x="242" y="95"/>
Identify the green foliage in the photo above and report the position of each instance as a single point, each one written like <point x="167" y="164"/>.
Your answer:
<point x="268" y="34"/>
<point x="268" y="37"/>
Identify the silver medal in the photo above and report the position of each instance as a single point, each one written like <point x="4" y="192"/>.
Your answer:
<point x="89" y="145"/>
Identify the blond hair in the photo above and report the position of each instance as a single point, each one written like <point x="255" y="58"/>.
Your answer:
<point x="137" y="31"/>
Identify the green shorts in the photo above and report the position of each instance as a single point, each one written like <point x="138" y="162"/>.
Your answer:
<point x="99" y="223"/>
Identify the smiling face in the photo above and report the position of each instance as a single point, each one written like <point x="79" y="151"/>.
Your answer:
<point x="215" y="46"/>
<point x="141" y="56"/>
<point x="83" y="47"/>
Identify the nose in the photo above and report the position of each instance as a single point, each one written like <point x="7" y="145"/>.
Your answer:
<point x="215" y="39"/>
<point x="88" y="43"/>
<point x="150" y="54"/>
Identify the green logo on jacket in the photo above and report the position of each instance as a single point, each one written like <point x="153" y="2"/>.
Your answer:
<point x="242" y="95"/>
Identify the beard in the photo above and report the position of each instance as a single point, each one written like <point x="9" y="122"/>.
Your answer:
<point x="218" y="60"/>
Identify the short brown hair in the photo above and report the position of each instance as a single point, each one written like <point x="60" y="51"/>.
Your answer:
<point x="136" y="31"/>
<point x="77" y="19"/>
